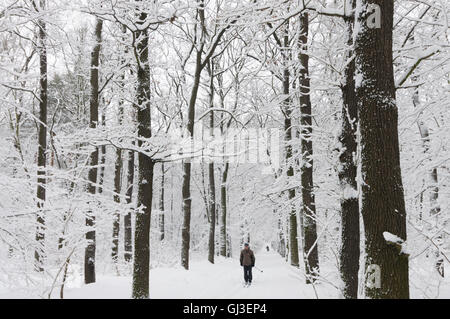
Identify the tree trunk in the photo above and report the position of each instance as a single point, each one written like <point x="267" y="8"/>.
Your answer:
<point x="102" y="156"/>
<point x="89" y="255"/>
<point x="42" y="141"/>
<point x="117" y="189"/>
<point x="161" y="206"/>
<point x="212" y="181"/>
<point x="141" y="266"/>
<point x="116" y="217"/>
<point x="293" y="236"/>
<point x="349" y="254"/>
<point x="186" y="188"/>
<point x="383" y="204"/>
<point x="128" y="246"/>
<point x="223" y="208"/>
<point x="310" y="250"/>
<point x="281" y="244"/>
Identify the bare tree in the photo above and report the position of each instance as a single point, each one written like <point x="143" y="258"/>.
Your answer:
<point x="141" y="266"/>
<point x="310" y="249"/>
<point x="89" y="254"/>
<point x="42" y="137"/>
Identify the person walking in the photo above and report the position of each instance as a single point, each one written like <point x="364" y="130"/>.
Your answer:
<point x="247" y="261"/>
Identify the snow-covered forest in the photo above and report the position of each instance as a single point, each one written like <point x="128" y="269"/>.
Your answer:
<point x="143" y="142"/>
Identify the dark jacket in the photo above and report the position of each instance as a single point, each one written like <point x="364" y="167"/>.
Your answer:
<point x="247" y="258"/>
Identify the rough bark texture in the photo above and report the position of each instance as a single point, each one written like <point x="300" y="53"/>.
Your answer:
<point x="310" y="250"/>
<point x="42" y="141"/>
<point x="141" y="265"/>
<point x="349" y="254"/>
<point x="383" y="205"/>
<point x="89" y="255"/>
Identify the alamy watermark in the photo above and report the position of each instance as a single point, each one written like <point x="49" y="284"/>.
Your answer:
<point x="373" y="276"/>
<point x="373" y="18"/>
<point x="260" y="146"/>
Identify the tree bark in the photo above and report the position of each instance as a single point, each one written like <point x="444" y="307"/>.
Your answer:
<point x="212" y="182"/>
<point x="311" y="255"/>
<point x="42" y="141"/>
<point x="293" y="236"/>
<point x="128" y="246"/>
<point x="117" y="189"/>
<point x="102" y="156"/>
<point x="186" y="188"/>
<point x="89" y="255"/>
<point x="116" y="217"/>
<point x="161" y="206"/>
<point x="350" y="238"/>
<point x="223" y="208"/>
<point x="383" y="204"/>
<point x="141" y="266"/>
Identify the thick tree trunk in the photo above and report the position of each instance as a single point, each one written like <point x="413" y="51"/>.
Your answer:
<point x="161" y="206"/>
<point x="349" y="254"/>
<point x="42" y="141"/>
<point x="310" y="250"/>
<point x="89" y="255"/>
<point x="383" y="204"/>
<point x="223" y="208"/>
<point x="141" y="266"/>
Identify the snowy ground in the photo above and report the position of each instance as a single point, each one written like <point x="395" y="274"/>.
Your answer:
<point x="204" y="280"/>
<point x="223" y="280"/>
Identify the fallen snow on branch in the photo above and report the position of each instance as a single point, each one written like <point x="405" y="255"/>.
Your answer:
<point x="397" y="241"/>
<point x="391" y="238"/>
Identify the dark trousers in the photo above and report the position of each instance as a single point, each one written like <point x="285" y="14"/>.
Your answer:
<point x="248" y="273"/>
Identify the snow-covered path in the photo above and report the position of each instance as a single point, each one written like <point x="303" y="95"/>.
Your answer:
<point x="221" y="280"/>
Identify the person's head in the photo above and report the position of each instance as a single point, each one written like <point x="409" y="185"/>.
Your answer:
<point x="246" y="246"/>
